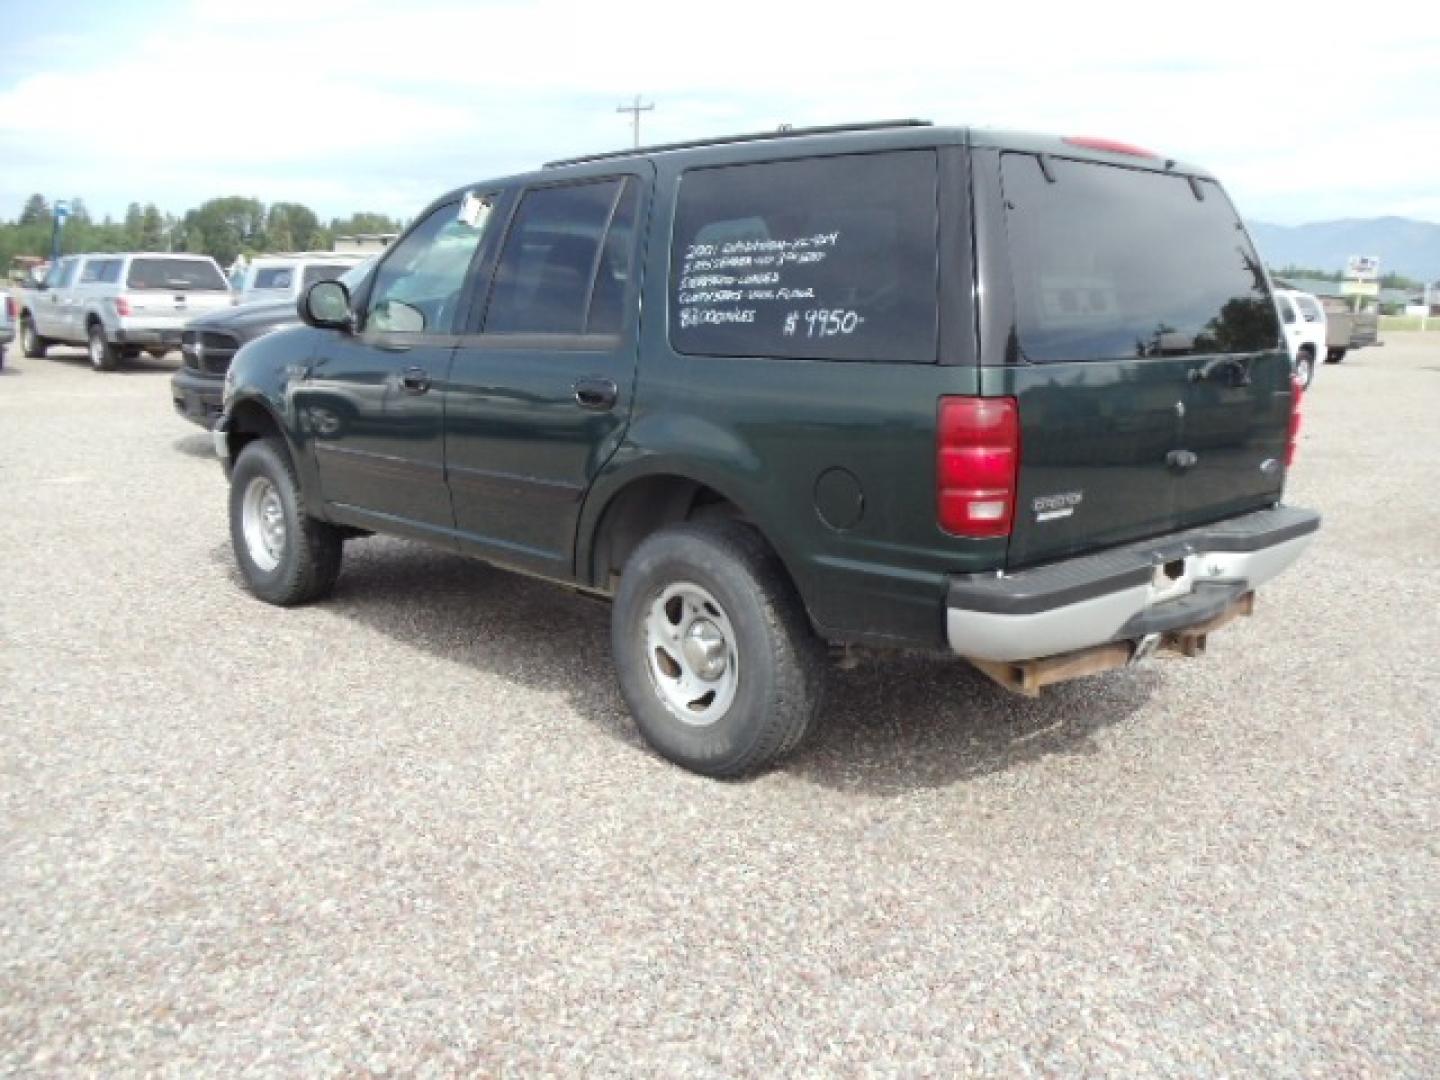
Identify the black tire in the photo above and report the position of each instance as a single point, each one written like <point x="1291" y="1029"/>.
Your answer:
<point x="1334" y="356"/>
<point x="307" y="557"/>
<point x="778" y="663"/>
<point x="103" y="355"/>
<point x="31" y="343"/>
<point x="1305" y="367"/>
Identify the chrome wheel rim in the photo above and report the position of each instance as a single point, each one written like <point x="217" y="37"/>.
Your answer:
<point x="1305" y="368"/>
<point x="97" y="350"/>
<point x="262" y="520"/>
<point x="690" y="654"/>
<point x="27" y="336"/>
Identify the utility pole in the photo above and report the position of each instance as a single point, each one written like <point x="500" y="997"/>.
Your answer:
<point x="635" y="110"/>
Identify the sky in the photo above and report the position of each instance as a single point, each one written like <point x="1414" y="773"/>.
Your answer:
<point x="1305" y="112"/>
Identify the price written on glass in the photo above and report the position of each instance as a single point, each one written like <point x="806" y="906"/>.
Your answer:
<point x="822" y="323"/>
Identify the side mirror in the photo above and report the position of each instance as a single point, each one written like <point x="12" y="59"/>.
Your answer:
<point x="326" y="306"/>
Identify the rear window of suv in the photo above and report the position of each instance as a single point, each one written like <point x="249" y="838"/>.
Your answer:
<point x="174" y="274"/>
<point x="820" y="258"/>
<point x="1112" y="263"/>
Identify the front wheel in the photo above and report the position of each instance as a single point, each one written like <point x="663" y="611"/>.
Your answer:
<point x="713" y="650"/>
<point x="1334" y="356"/>
<point x="1305" y="368"/>
<point x="31" y="343"/>
<point x="285" y="556"/>
<point x="103" y="355"/>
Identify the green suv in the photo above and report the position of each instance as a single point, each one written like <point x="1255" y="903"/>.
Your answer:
<point x="1024" y="399"/>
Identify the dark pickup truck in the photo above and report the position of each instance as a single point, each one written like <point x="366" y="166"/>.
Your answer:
<point x="1021" y="398"/>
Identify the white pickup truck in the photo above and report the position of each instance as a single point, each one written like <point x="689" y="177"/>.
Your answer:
<point x="119" y="304"/>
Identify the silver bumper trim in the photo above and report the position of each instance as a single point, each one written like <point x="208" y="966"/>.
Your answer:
<point x="987" y="635"/>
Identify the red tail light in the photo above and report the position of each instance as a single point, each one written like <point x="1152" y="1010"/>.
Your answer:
<point x="977" y="450"/>
<point x="1110" y="146"/>
<point x="122" y="306"/>
<point x="1292" y="439"/>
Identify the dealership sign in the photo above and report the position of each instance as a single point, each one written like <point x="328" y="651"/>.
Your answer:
<point x="1363" y="267"/>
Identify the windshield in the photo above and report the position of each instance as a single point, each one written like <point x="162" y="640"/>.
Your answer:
<point x="1111" y="262"/>
<point x="175" y="274"/>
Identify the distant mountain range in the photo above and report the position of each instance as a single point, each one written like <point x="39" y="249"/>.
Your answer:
<point x="1405" y="246"/>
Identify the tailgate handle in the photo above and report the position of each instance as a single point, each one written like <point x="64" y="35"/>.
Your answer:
<point x="1182" y="459"/>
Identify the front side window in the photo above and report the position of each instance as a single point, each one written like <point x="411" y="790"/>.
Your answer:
<point x="62" y="274"/>
<point x="273" y="277"/>
<point x="1112" y="262"/>
<point x="321" y="272"/>
<point x="558" y="272"/>
<point x="820" y="258"/>
<point x="1309" y="310"/>
<point x="418" y="287"/>
<point x="100" y="271"/>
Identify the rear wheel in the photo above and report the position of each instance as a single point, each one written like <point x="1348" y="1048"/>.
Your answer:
<point x="31" y="343"/>
<point x="103" y="355"/>
<point x="1305" y="367"/>
<point x="1334" y="356"/>
<point x="285" y="556"/>
<point x="713" y="650"/>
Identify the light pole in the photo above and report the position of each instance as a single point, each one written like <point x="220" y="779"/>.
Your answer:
<point x="58" y="215"/>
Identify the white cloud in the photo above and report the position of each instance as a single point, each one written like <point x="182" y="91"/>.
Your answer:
<point x="382" y="105"/>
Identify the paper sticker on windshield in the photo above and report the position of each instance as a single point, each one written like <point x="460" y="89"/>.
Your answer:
<point x="474" y="209"/>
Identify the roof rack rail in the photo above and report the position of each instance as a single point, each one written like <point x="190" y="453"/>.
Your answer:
<point x="723" y="140"/>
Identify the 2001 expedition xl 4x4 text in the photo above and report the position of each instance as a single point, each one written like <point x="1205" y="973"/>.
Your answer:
<point x="1022" y="398"/>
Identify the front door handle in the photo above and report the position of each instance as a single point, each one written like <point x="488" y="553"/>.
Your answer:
<point x="594" y="393"/>
<point x="415" y="380"/>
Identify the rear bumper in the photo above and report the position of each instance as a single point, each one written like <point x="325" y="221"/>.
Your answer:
<point x="197" y="397"/>
<point x="1123" y="594"/>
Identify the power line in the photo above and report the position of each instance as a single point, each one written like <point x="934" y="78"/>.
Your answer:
<point x="635" y="110"/>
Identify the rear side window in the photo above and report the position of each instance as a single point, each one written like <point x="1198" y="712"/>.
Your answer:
<point x="1111" y="263"/>
<point x="821" y="258"/>
<point x="1309" y="310"/>
<point x="558" y="274"/>
<point x="174" y="274"/>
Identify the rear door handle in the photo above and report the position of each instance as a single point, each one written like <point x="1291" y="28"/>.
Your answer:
<point x="595" y="393"/>
<point x="415" y="380"/>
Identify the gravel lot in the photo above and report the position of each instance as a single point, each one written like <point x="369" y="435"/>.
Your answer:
<point x="411" y="829"/>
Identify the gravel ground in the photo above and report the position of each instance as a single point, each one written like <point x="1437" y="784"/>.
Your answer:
<point x="411" y="829"/>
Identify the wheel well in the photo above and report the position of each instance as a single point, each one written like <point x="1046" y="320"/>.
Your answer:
<point x="644" y="507"/>
<point x="250" y="421"/>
